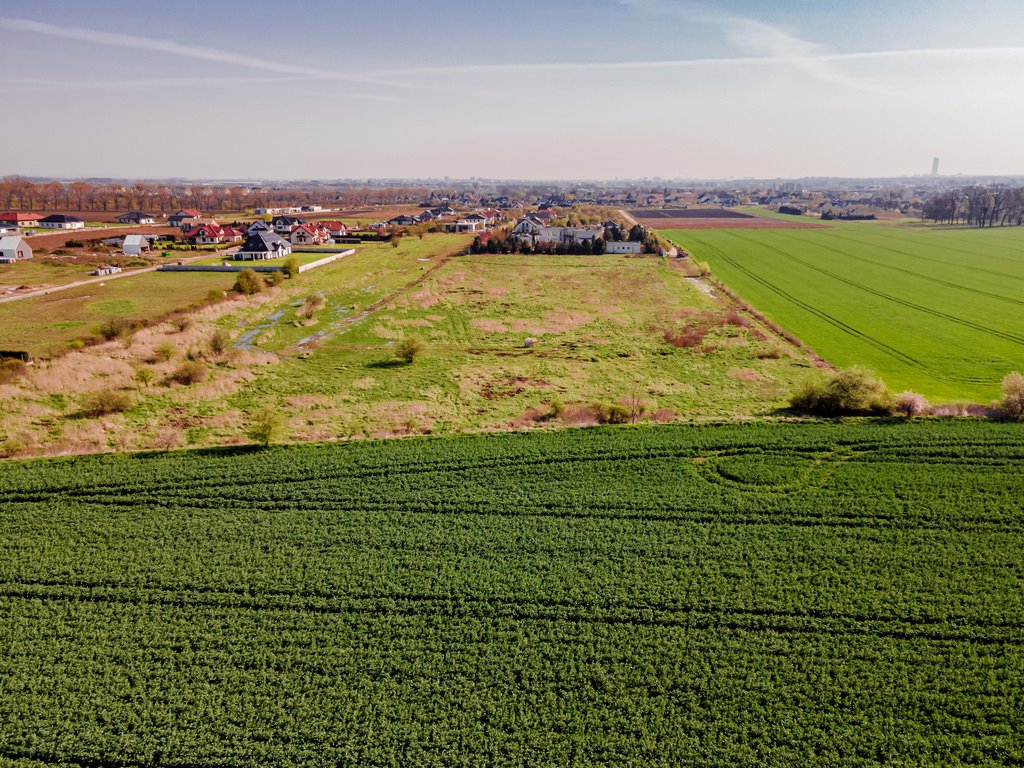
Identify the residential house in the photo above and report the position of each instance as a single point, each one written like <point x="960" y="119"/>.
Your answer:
<point x="136" y="217"/>
<point x="184" y="219"/>
<point x="105" y="270"/>
<point x="309" y="234"/>
<point x="312" y="208"/>
<point x="61" y="221"/>
<point x="405" y="220"/>
<point x="527" y="226"/>
<point x="19" y="219"/>
<point x="335" y="229"/>
<point x="213" y="234"/>
<point x="568" y="235"/>
<point x="135" y="245"/>
<point x="472" y="223"/>
<point x="263" y="245"/>
<point x="14" y="248"/>
<point x="258" y="226"/>
<point x="283" y="224"/>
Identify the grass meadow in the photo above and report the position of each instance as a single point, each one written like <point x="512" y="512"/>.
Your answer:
<point x="938" y="311"/>
<point x="509" y="342"/>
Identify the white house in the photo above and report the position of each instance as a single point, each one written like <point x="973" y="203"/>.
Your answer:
<point x="623" y="246"/>
<point x="61" y="221"/>
<point x="135" y="245"/>
<point x="136" y="217"/>
<point x="569" y="235"/>
<point x="258" y="226"/>
<point x="14" y="248"/>
<point x="283" y="224"/>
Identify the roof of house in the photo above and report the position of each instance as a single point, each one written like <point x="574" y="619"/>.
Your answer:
<point x="136" y="215"/>
<point x="189" y="212"/>
<point x="264" y="242"/>
<point x="135" y="240"/>
<point x="10" y="242"/>
<point x="19" y="216"/>
<point x="61" y="218"/>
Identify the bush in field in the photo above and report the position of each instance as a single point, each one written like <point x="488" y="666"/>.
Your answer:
<point x="409" y="348"/>
<point x="165" y="352"/>
<point x="291" y="268"/>
<point x="113" y="327"/>
<point x="219" y="342"/>
<point x="182" y="323"/>
<point x="1012" y="404"/>
<point x="264" y="426"/>
<point x="191" y="372"/>
<point x="144" y="377"/>
<point x="11" y="369"/>
<point x="688" y="337"/>
<point x="106" y="402"/>
<point x="276" y="278"/>
<point x="911" y="404"/>
<point x="248" y="282"/>
<point x="312" y="305"/>
<point x="852" y="391"/>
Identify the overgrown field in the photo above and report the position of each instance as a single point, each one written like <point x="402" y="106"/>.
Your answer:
<point x="740" y="595"/>
<point x="937" y="311"/>
<point x="508" y="342"/>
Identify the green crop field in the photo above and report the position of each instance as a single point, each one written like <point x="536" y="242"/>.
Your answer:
<point x="937" y="311"/>
<point x="744" y="595"/>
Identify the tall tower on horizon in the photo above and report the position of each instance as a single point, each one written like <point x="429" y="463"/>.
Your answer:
<point x="935" y="166"/>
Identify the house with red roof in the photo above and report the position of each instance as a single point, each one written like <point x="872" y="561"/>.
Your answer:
<point x="184" y="219"/>
<point x="213" y="234"/>
<point x="20" y="219"/>
<point x="311" y="233"/>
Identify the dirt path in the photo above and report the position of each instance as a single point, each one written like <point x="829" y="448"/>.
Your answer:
<point x="627" y="217"/>
<point x="345" y="322"/>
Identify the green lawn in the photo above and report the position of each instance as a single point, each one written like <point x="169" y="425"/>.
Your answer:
<point x="742" y="595"/>
<point x="933" y="310"/>
<point x="47" y="324"/>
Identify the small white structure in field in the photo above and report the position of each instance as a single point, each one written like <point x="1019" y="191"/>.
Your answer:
<point x="106" y="270"/>
<point x="14" y="248"/>
<point x="623" y="246"/>
<point x="135" y="245"/>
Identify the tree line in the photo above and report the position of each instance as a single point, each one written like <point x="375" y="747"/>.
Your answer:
<point x="978" y="206"/>
<point x="22" y="194"/>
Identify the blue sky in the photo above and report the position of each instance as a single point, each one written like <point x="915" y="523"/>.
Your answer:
<point x="556" y="89"/>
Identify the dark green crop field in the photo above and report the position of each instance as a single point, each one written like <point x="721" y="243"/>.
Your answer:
<point x="742" y="595"/>
<point x="937" y="311"/>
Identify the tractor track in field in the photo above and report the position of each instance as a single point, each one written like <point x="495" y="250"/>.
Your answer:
<point x="1006" y="336"/>
<point x="820" y="314"/>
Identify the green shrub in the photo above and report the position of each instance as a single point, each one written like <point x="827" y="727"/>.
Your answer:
<point x="106" y="402"/>
<point x="113" y="327"/>
<point x="219" y="342"/>
<point x="191" y="372"/>
<point x="1012" y="404"/>
<point x="165" y="352"/>
<point x="409" y="348"/>
<point x="850" y="391"/>
<point x="248" y="282"/>
<point x="264" y="426"/>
